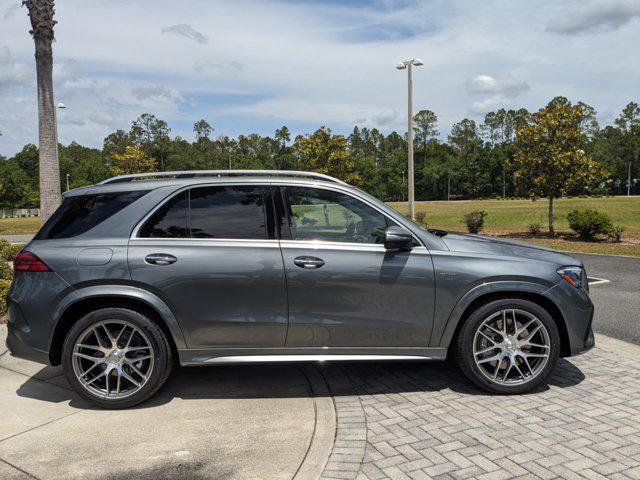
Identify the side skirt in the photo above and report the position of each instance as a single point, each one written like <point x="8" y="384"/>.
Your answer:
<point x="231" y="356"/>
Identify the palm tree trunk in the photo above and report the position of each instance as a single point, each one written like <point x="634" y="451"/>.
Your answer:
<point x="41" y="15"/>
<point x="48" y="138"/>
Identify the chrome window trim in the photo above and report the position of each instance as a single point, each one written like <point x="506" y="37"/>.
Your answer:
<point x="220" y="242"/>
<point x="329" y="245"/>
<point x="305" y="184"/>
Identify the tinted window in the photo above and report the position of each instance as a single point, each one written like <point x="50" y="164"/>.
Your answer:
<point x="80" y="214"/>
<point x="170" y="220"/>
<point x="228" y="212"/>
<point x="332" y="216"/>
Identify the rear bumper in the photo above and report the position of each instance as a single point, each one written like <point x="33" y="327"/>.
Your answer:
<point x="21" y="349"/>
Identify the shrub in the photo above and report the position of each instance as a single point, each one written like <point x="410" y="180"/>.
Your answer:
<point x="589" y="223"/>
<point x="616" y="233"/>
<point x="5" y="271"/>
<point x="474" y="220"/>
<point x="4" y="288"/>
<point x="534" y="229"/>
<point x="420" y="216"/>
<point x="9" y="251"/>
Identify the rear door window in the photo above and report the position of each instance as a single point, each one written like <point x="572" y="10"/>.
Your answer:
<point x="224" y="212"/>
<point x="81" y="213"/>
<point x="170" y="220"/>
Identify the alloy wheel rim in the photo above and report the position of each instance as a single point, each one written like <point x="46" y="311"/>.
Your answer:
<point x="113" y="359"/>
<point x="511" y="347"/>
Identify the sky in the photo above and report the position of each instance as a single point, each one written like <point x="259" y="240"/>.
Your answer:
<point x="254" y="65"/>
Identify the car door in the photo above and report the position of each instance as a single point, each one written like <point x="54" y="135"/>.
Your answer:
<point x="211" y="253"/>
<point x="345" y="290"/>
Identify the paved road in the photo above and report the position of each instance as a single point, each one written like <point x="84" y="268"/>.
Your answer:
<point x="617" y="302"/>
<point x="17" y="238"/>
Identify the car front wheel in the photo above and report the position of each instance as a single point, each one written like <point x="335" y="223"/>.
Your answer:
<point x="508" y="346"/>
<point x="116" y="357"/>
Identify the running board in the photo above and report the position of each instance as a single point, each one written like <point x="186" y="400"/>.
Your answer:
<point x="188" y="357"/>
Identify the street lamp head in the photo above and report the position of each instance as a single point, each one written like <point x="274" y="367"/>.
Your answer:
<point x="401" y="66"/>
<point x="61" y="105"/>
<point x="417" y="62"/>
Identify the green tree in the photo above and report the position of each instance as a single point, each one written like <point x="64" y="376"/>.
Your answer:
<point x="41" y="14"/>
<point x="153" y="134"/>
<point x="133" y="160"/>
<point x="202" y="129"/>
<point x="629" y="123"/>
<point x="550" y="158"/>
<point x="425" y="128"/>
<point x="326" y="153"/>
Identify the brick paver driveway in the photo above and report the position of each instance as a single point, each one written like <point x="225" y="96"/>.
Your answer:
<point x="420" y="420"/>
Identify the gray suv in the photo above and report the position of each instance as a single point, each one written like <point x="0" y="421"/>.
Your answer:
<point x="222" y="267"/>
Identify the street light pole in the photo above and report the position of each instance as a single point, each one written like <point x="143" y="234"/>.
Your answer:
<point x="408" y="65"/>
<point x="67" y="182"/>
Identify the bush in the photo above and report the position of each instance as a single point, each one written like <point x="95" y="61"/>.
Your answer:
<point x="589" y="223"/>
<point x="4" y="288"/>
<point x="420" y="216"/>
<point x="616" y="233"/>
<point x="534" y="229"/>
<point x="9" y="251"/>
<point x="5" y="271"/>
<point x="474" y="220"/>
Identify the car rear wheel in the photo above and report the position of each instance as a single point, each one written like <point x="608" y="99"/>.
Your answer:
<point x="508" y="346"/>
<point x="116" y="357"/>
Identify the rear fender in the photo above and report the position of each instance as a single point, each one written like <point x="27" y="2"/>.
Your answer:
<point x="124" y="291"/>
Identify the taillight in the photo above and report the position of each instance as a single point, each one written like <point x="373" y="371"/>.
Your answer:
<point x="29" y="262"/>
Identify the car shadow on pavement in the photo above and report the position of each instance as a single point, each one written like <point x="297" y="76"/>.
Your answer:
<point x="291" y="381"/>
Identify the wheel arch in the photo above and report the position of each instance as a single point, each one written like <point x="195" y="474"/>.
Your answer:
<point x="533" y="293"/>
<point x="82" y="301"/>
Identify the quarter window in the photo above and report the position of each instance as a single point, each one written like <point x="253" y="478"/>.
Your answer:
<point x="79" y="214"/>
<point x="316" y="214"/>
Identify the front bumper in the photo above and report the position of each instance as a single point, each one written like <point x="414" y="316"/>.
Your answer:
<point x="577" y="309"/>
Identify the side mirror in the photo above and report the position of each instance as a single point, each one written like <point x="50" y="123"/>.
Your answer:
<point x="397" y="238"/>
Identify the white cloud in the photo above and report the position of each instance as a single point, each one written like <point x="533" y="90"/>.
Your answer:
<point x="507" y="86"/>
<point x="598" y="16"/>
<point x="186" y="31"/>
<point x="12" y="73"/>
<point x="386" y="118"/>
<point x="305" y="64"/>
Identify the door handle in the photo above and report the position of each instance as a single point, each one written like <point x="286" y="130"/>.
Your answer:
<point x="160" y="259"/>
<point x="308" y="262"/>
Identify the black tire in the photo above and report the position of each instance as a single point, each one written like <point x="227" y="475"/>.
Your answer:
<point x="463" y="347"/>
<point x="162" y="356"/>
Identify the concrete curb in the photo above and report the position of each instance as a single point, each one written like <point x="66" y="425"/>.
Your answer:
<point x="324" y="430"/>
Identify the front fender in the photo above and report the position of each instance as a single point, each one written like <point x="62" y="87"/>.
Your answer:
<point x="468" y="298"/>
<point x="123" y="291"/>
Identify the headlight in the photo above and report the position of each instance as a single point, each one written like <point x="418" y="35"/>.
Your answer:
<point x="574" y="275"/>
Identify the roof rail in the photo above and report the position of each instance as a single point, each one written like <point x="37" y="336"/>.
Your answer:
<point x="218" y="173"/>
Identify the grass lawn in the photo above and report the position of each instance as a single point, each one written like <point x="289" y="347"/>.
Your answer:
<point x="508" y="218"/>
<point x="17" y="226"/>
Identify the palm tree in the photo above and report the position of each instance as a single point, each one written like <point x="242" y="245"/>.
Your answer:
<point x="42" y="22"/>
